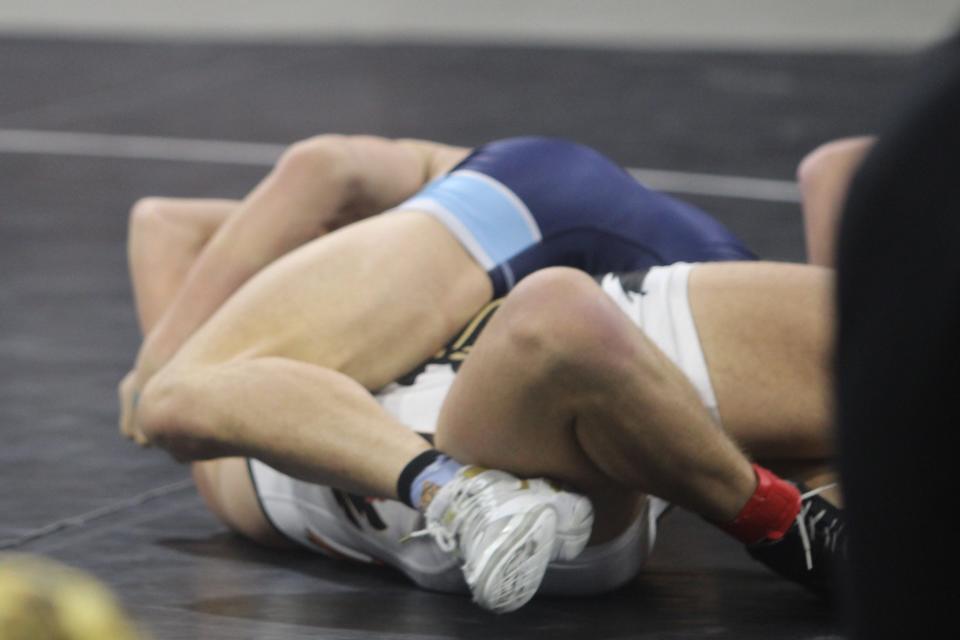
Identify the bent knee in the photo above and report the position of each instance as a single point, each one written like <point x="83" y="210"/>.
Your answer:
<point x="323" y="159"/>
<point x="563" y="319"/>
<point x="831" y="157"/>
<point x="171" y="415"/>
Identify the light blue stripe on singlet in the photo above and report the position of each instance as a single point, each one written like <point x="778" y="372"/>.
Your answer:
<point x="488" y="218"/>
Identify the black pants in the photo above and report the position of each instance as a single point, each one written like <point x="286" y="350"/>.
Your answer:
<point x="898" y="359"/>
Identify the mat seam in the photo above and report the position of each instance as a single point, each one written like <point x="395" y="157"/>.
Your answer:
<point x="79" y="521"/>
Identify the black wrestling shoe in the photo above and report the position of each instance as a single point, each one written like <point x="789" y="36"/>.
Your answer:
<point x="812" y="549"/>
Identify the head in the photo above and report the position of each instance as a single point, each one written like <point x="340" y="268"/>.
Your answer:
<point x="44" y="600"/>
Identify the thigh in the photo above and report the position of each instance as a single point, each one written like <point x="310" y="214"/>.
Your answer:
<point x="370" y="300"/>
<point x="227" y="490"/>
<point x="766" y="330"/>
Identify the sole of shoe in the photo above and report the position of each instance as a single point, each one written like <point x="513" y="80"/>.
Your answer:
<point x="512" y="568"/>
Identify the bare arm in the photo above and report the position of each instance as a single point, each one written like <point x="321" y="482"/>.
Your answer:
<point x="165" y="236"/>
<point x="318" y="186"/>
<point x="824" y="176"/>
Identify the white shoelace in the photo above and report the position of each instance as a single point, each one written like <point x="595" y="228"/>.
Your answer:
<point x="469" y="509"/>
<point x="802" y="525"/>
<point x="444" y="539"/>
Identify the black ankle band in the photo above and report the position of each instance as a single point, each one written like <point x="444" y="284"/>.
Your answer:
<point x="411" y="471"/>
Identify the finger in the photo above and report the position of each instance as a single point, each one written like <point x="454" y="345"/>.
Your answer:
<point x="122" y="396"/>
<point x="132" y="424"/>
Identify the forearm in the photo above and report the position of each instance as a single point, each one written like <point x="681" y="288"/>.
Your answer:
<point x="165" y="237"/>
<point x="306" y="421"/>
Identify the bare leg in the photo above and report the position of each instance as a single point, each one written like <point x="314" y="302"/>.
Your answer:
<point x="772" y="376"/>
<point x="561" y="384"/>
<point x="343" y="301"/>
<point x="166" y="236"/>
<point x="339" y="423"/>
<point x="308" y="421"/>
<point x="824" y="176"/>
<point x="766" y="331"/>
<point x="267" y="376"/>
<point x="323" y="411"/>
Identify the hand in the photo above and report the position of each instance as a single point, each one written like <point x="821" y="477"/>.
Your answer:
<point x="129" y="394"/>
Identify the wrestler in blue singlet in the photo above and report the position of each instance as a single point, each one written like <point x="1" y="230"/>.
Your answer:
<point x="523" y="204"/>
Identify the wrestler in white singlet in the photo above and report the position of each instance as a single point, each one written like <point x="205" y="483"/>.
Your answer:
<point x="373" y="531"/>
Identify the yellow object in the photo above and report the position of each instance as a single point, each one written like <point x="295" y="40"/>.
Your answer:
<point x="44" y="600"/>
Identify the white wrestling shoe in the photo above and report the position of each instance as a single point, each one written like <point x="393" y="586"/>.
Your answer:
<point x="506" y="531"/>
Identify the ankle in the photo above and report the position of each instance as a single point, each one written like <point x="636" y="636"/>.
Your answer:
<point x="769" y="512"/>
<point x="423" y="476"/>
